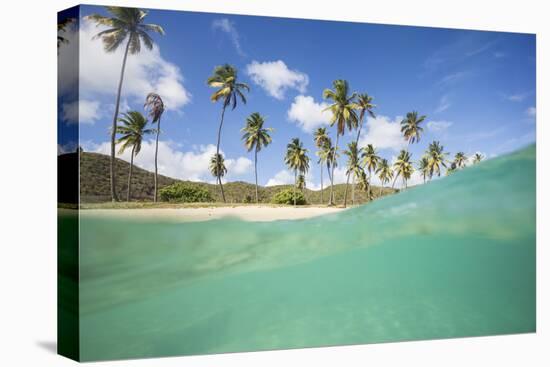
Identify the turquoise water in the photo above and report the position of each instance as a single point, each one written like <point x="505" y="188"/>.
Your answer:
<point x="452" y="258"/>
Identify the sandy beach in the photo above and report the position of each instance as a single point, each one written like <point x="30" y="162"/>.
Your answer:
<point x="248" y="213"/>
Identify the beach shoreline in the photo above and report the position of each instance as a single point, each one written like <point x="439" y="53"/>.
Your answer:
<point x="252" y="213"/>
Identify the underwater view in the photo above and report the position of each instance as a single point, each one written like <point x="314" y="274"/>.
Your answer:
<point x="452" y="258"/>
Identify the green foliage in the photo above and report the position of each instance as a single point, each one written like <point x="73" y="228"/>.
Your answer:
<point x="287" y="197"/>
<point x="185" y="193"/>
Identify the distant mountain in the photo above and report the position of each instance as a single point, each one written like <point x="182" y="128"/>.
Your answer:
<point x="95" y="184"/>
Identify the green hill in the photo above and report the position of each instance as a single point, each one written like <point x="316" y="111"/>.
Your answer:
<point x="94" y="184"/>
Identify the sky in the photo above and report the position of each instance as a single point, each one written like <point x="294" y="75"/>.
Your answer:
<point x="477" y="89"/>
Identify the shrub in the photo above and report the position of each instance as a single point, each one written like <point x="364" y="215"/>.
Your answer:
<point x="184" y="192"/>
<point x="286" y="197"/>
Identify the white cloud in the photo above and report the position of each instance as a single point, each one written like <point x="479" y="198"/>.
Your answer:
<point x="518" y="97"/>
<point x="191" y="165"/>
<point x="444" y="104"/>
<point x="239" y="166"/>
<point x="228" y="27"/>
<point x="281" y="178"/>
<point x="383" y="133"/>
<point x="438" y="126"/>
<point x="145" y="72"/>
<point x="285" y="177"/>
<point x="308" y="114"/>
<point x="83" y="111"/>
<point x="531" y="111"/>
<point x="454" y="77"/>
<point x="275" y="77"/>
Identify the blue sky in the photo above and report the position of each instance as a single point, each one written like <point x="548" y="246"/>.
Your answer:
<point x="477" y="88"/>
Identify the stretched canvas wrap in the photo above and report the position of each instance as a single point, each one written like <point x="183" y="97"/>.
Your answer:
<point x="232" y="183"/>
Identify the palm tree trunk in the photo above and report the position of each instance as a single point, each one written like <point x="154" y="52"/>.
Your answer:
<point x="395" y="179"/>
<point x="218" y="150"/>
<point x="156" y="164"/>
<point x="331" y="198"/>
<point x="380" y="192"/>
<point x="256" y="171"/>
<point x="369" y="188"/>
<point x="346" y="190"/>
<point x="294" y="188"/>
<point x="353" y="191"/>
<point x="321" y="165"/>
<point x="130" y="173"/>
<point x="114" y="196"/>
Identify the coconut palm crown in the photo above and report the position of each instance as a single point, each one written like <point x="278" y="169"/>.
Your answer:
<point x="436" y="158"/>
<point x="410" y="127"/>
<point x="460" y="160"/>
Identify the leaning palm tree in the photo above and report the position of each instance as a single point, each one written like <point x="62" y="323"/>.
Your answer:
<point x="371" y="159"/>
<point x="229" y="88"/>
<point x="410" y="127"/>
<point x="155" y="106"/>
<point x="297" y="160"/>
<point x="478" y="157"/>
<point x="436" y="158"/>
<point x="321" y="139"/>
<point x="217" y="167"/>
<point x="124" y="24"/>
<point x="132" y="130"/>
<point x="385" y="173"/>
<point x="255" y="137"/>
<point x="424" y="167"/>
<point x="353" y="166"/>
<point x="344" y="115"/>
<point x="403" y="167"/>
<point x="460" y="160"/>
<point x="329" y="156"/>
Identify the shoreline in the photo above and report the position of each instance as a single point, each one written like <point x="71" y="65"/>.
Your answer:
<point x="252" y="213"/>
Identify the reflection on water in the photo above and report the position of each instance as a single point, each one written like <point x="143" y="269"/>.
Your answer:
<point x="452" y="258"/>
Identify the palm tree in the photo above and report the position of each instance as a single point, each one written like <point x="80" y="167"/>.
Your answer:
<point x="132" y="130"/>
<point x="353" y="166"/>
<point x="125" y="23"/>
<point x="256" y="136"/>
<point x="297" y="160"/>
<point x="478" y="157"/>
<point x="371" y="159"/>
<point x="436" y="158"/>
<point x="364" y="105"/>
<point x="155" y="105"/>
<point x="321" y="139"/>
<point x="385" y="173"/>
<point x="460" y="160"/>
<point x="344" y="114"/>
<point x="229" y="88"/>
<point x="363" y="182"/>
<point x="217" y="167"/>
<point x="410" y="127"/>
<point x="329" y="156"/>
<point x="403" y="167"/>
<point x="424" y="167"/>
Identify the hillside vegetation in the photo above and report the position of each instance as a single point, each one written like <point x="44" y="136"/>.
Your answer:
<point x="94" y="185"/>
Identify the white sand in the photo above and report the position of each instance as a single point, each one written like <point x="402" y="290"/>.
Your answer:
<point x="248" y="213"/>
